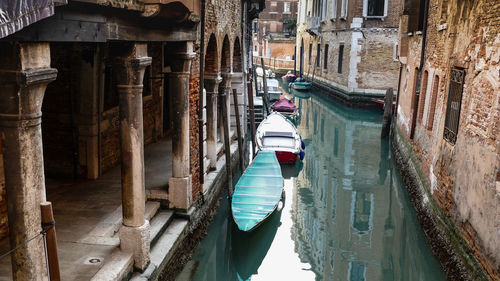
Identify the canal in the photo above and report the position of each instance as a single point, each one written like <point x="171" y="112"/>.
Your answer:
<point x="346" y="216"/>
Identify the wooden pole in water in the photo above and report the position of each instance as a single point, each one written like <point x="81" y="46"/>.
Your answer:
<point x="252" y="114"/>
<point x="238" y="128"/>
<point x="48" y="224"/>
<point x="227" y="145"/>
<point x="264" y="80"/>
<point x="386" y="123"/>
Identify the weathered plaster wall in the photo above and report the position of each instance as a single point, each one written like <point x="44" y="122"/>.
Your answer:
<point x="282" y="50"/>
<point x="463" y="177"/>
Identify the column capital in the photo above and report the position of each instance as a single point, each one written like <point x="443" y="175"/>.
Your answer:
<point x="130" y="71"/>
<point x="23" y="92"/>
<point x="212" y="81"/>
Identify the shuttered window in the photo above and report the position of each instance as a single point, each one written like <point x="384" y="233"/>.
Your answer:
<point x="451" y="122"/>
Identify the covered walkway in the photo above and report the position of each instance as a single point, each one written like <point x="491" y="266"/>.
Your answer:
<point x="88" y="215"/>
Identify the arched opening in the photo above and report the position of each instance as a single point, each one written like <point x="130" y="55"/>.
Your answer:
<point x="225" y="68"/>
<point x="211" y="55"/>
<point x="211" y="81"/>
<point x="432" y="104"/>
<point x="423" y="94"/>
<point x="237" y="56"/>
<point x="225" y="63"/>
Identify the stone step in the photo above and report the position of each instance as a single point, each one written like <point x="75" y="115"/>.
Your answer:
<point x="159" y="223"/>
<point x="116" y="267"/>
<point x="162" y="249"/>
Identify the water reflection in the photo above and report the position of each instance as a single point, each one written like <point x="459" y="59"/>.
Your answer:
<point x="346" y="217"/>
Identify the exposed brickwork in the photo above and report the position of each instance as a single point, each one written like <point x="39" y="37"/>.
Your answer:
<point x="194" y="95"/>
<point x="461" y="175"/>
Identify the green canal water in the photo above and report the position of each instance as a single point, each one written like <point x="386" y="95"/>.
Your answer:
<point x="346" y="216"/>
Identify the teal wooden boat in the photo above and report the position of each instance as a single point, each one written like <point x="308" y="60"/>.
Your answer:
<point x="257" y="192"/>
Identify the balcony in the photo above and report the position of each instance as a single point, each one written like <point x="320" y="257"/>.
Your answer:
<point x="313" y="25"/>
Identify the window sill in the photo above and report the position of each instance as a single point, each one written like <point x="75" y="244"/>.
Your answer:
<point x="382" y="18"/>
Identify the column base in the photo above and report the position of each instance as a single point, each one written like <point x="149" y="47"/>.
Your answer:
<point x="137" y="241"/>
<point x="180" y="192"/>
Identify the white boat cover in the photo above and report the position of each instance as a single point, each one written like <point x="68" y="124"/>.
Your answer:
<point x="277" y="133"/>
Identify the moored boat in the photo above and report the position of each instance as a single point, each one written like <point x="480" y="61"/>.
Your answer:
<point x="288" y="77"/>
<point x="277" y="133"/>
<point x="286" y="107"/>
<point x="273" y="89"/>
<point x="301" y="86"/>
<point x="257" y="192"/>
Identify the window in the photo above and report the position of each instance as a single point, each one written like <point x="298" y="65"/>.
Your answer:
<point x="454" y="103"/>
<point x="325" y="61"/>
<point x="286" y="7"/>
<point x="255" y="27"/>
<point x="318" y="53"/>
<point x="343" y="10"/>
<point x="432" y="103"/>
<point x="341" y="57"/>
<point x="375" y="8"/>
<point x="256" y="48"/>
<point x="333" y="9"/>
<point x="423" y="94"/>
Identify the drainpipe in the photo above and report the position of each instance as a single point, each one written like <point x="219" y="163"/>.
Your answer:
<point x="202" y="86"/>
<point x="420" y="68"/>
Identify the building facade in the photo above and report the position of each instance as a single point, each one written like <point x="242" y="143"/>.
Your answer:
<point x="349" y="46"/>
<point x="448" y="123"/>
<point x="89" y="86"/>
<point x="273" y="33"/>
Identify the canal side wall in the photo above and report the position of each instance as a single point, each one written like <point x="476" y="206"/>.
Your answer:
<point x="446" y="241"/>
<point x="199" y="217"/>
<point x="360" y="99"/>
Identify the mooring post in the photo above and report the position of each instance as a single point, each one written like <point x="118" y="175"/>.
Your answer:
<point x="238" y="128"/>
<point x="264" y="81"/>
<point x="252" y="114"/>
<point x="386" y="123"/>
<point x="227" y="145"/>
<point x="48" y="225"/>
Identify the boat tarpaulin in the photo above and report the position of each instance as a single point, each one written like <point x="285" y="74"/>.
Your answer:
<point x="17" y="14"/>
<point x="285" y="105"/>
<point x="258" y="191"/>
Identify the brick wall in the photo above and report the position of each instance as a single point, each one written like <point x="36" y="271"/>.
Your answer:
<point x="462" y="176"/>
<point x="282" y="50"/>
<point x="194" y="95"/>
<point x="223" y="18"/>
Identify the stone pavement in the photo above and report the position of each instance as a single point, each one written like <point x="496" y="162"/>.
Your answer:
<point x="88" y="215"/>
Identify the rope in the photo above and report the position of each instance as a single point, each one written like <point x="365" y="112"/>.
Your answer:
<point x="46" y="254"/>
<point x="43" y="232"/>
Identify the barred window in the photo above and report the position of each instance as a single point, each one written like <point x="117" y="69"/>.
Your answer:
<point x="454" y="103"/>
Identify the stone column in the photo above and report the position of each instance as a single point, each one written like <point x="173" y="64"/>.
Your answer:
<point x="180" y="189"/>
<point x="227" y="88"/>
<point x="237" y="82"/>
<point x="24" y="75"/>
<point x="212" y="81"/>
<point x="134" y="234"/>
